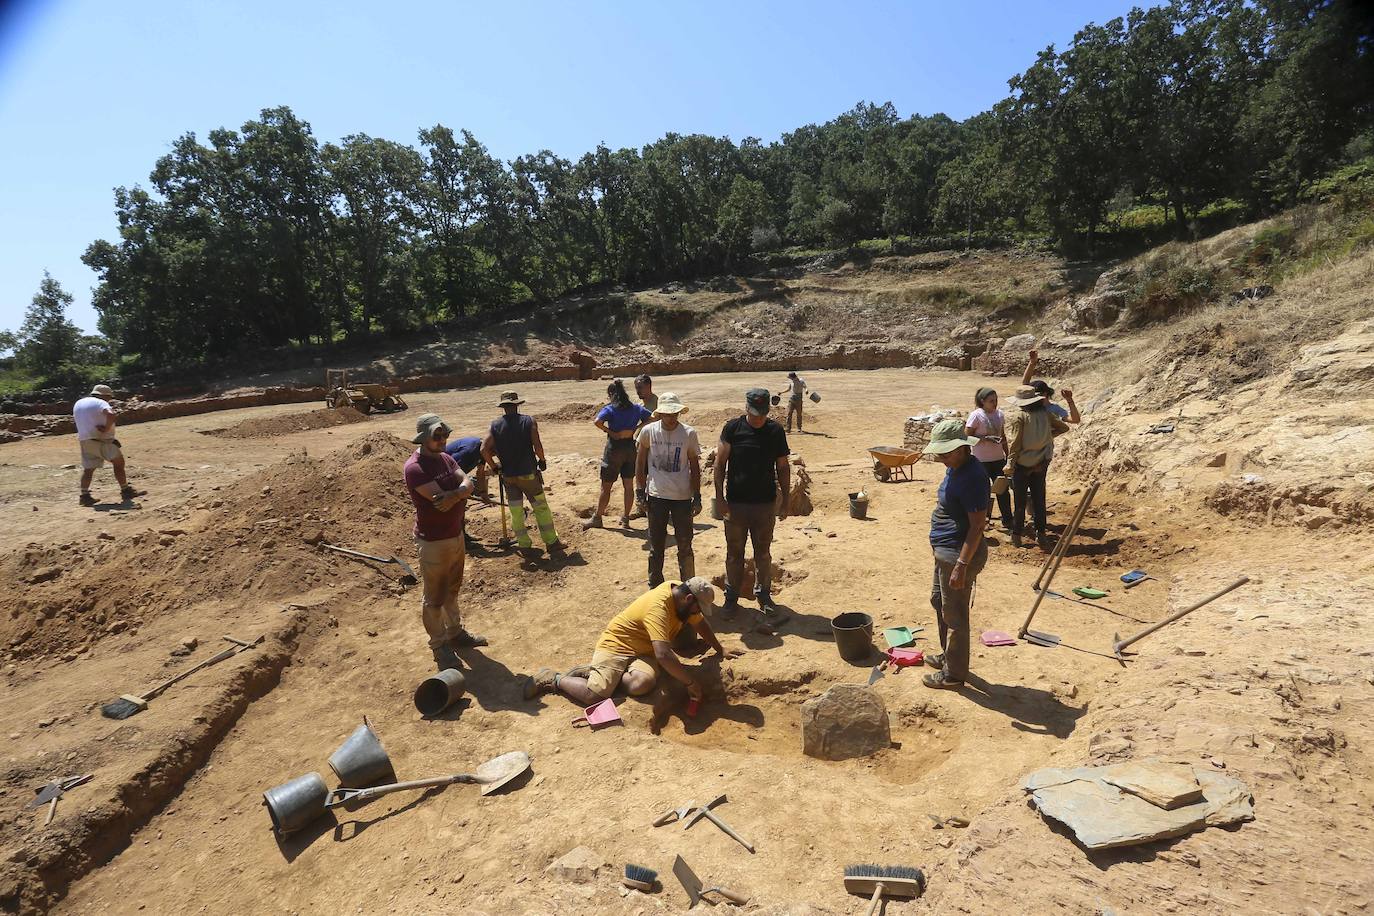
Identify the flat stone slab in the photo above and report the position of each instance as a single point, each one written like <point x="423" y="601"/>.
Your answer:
<point x="578" y="865"/>
<point x="1102" y="816"/>
<point x="1164" y="785"/>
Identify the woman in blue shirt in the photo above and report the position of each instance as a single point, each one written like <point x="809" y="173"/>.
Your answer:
<point x="956" y="538"/>
<point x="619" y="420"/>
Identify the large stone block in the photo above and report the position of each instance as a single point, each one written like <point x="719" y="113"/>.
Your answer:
<point x="848" y="720"/>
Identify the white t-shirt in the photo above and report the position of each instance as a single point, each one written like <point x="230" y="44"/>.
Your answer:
<point x="984" y="424"/>
<point x="798" y="386"/>
<point x="89" y="412"/>
<point x="670" y="451"/>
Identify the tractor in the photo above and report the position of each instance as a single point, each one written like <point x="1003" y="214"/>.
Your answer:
<point x="364" y="397"/>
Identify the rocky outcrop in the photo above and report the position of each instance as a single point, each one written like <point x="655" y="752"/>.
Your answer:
<point x="848" y="720"/>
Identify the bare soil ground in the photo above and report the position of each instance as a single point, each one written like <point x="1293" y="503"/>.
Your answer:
<point x="1272" y="683"/>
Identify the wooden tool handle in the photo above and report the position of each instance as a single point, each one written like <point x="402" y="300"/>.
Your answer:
<point x="1180" y="614"/>
<point x="217" y="657"/>
<point x="877" y="896"/>
<point x="732" y="896"/>
<point x="52" y="810"/>
<point x="726" y="827"/>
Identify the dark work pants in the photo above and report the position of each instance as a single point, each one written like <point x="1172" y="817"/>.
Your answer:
<point x="994" y="469"/>
<point x="952" y="607"/>
<point x="659" y="512"/>
<point x="749" y="521"/>
<point x="1028" y="485"/>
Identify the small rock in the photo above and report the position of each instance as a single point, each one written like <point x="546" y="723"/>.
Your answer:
<point x="1068" y="691"/>
<point x="105" y="536"/>
<point x="1217" y="461"/>
<point x="166" y="540"/>
<point x="44" y="723"/>
<point x="370" y="632"/>
<point x="46" y="574"/>
<point x="579" y="866"/>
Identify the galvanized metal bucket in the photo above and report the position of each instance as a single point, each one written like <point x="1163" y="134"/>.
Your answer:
<point x="361" y="761"/>
<point x="294" y="804"/>
<point x="440" y="691"/>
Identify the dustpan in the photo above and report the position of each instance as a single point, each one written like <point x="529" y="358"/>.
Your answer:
<point x="597" y="715"/>
<point x="899" y="636"/>
<point x="1087" y="591"/>
<point x="996" y="638"/>
<point x="905" y="658"/>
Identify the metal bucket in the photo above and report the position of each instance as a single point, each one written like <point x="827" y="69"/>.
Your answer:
<point x="815" y="398"/>
<point x="858" y="508"/>
<point x="361" y="761"/>
<point x="853" y="635"/>
<point x="715" y="509"/>
<point x="440" y="691"/>
<point x="294" y="804"/>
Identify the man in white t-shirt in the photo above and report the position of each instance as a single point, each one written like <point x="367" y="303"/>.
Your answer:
<point x="668" y="480"/>
<point x="95" y="430"/>
<point x="795" y="389"/>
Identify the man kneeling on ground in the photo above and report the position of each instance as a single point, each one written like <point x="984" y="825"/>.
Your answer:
<point x="636" y="644"/>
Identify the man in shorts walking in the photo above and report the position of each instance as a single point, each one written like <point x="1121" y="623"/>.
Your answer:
<point x="95" y="430"/>
<point x="636" y="645"/>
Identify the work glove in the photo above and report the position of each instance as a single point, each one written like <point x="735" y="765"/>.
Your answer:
<point x="641" y="495"/>
<point x="542" y="464"/>
<point x="696" y="504"/>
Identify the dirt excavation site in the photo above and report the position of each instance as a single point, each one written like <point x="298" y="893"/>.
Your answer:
<point x="1250" y="715"/>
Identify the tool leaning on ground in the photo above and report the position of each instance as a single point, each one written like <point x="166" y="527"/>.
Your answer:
<point x="1118" y="643"/>
<point x="50" y="793"/>
<point x="883" y="881"/>
<point x="706" y="812"/>
<point x="491" y="776"/>
<point x="128" y="704"/>
<point x="408" y="578"/>
<point x="695" y="892"/>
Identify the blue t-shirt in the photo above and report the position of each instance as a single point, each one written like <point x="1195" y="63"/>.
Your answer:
<point x="620" y="419"/>
<point x="467" y="451"/>
<point x="965" y="489"/>
<point x="1058" y="411"/>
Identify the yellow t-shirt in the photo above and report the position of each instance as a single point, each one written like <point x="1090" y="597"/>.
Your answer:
<point x="652" y="616"/>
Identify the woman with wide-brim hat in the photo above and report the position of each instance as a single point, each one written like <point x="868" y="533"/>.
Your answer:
<point x="1030" y="445"/>
<point x="956" y="539"/>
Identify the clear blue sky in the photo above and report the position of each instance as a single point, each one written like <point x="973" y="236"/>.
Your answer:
<point x="92" y="92"/>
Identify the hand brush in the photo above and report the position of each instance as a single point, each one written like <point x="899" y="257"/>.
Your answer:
<point x="129" y="705"/>
<point x="883" y="881"/>
<point x="640" y="878"/>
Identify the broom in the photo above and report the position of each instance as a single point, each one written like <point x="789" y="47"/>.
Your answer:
<point x="883" y="881"/>
<point x="129" y="705"/>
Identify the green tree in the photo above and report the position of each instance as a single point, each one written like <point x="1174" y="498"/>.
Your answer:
<point x="47" y="339"/>
<point x="744" y="209"/>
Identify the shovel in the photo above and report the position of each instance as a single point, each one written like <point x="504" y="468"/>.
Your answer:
<point x="491" y="776"/>
<point x="407" y="579"/>
<point x="692" y="885"/>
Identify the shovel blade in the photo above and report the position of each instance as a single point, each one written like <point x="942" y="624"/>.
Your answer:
<point x="498" y="771"/>
<point x="690" y="882"/>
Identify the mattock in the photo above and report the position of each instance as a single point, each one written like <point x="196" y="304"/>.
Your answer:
<point x="1118" y="643"/>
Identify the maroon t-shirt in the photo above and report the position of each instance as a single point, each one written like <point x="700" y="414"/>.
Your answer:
<point x="422" y="468"/>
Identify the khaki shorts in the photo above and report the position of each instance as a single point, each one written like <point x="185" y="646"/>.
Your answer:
<point x="608" y="668"/>
<point x="95" y="452"/>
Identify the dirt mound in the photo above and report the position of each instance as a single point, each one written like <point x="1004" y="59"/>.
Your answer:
<point x="269" y="427"/>
<point x="571" y="412"/>
<point x="255" y="537"/>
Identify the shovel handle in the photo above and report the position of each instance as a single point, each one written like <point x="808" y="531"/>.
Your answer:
<point x="342" y="796"/>
<point x="354" y="553"/>
<point x="217" y="657"/>
<point x="1123" y="643"/>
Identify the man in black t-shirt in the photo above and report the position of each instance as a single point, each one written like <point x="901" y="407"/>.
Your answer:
<point x="751" y="469"/>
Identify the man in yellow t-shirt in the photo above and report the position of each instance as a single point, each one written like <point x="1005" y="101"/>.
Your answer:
<point x="636" y="644"/>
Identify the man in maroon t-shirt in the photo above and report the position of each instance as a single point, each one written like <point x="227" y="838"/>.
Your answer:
<point x="439" y="489"/>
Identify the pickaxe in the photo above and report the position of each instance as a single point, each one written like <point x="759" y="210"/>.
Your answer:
<point x="706" y="812"/>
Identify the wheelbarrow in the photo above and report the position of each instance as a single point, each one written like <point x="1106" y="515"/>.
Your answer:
<point x="892" y="462"/>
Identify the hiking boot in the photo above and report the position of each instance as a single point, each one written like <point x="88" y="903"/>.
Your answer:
<point x="466" y="640"/>
<point x="445" y="657"/>
<point x="766" y="604"/>
<point x="1016" y="539"/>
<point x="593" y="522"/>
<point x="1042" y="540"/>
<point x="730" y="608"/>
<point x="86" y="499"/>
<point x="128" y="492"/>
<point x="936" y="661"/>
<point x="624" y="521"/>
<point x="541" y="682"/>
<point x="938" y="681"/>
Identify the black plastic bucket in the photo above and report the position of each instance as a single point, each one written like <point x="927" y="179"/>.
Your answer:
<point x="853" y="635"/>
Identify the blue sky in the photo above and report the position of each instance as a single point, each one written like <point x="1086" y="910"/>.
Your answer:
<point x="92" y="93"/>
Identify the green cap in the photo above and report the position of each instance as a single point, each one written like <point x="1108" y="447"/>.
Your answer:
<point x="427" y="426"/>
<point x="947" y="436"/>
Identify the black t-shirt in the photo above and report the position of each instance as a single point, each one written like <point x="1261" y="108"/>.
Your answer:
<point x="752" y="470"/>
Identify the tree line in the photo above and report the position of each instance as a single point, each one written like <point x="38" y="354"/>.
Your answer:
<point x="264" y="235"/>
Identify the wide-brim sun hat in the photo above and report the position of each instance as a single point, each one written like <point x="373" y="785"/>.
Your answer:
<point x="670" y="404"/>
<point x="1025" y="395"/>
<point x="510" y="397"/>
<point x="427" y="425"/>
<point x="703" y="592"/>
<point x="947" y="436"/>
<point x="102" y="391"/>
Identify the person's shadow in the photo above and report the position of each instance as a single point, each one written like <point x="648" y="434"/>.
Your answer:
<point x="494" y="686"/>
<point x="1030" y="709"/>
